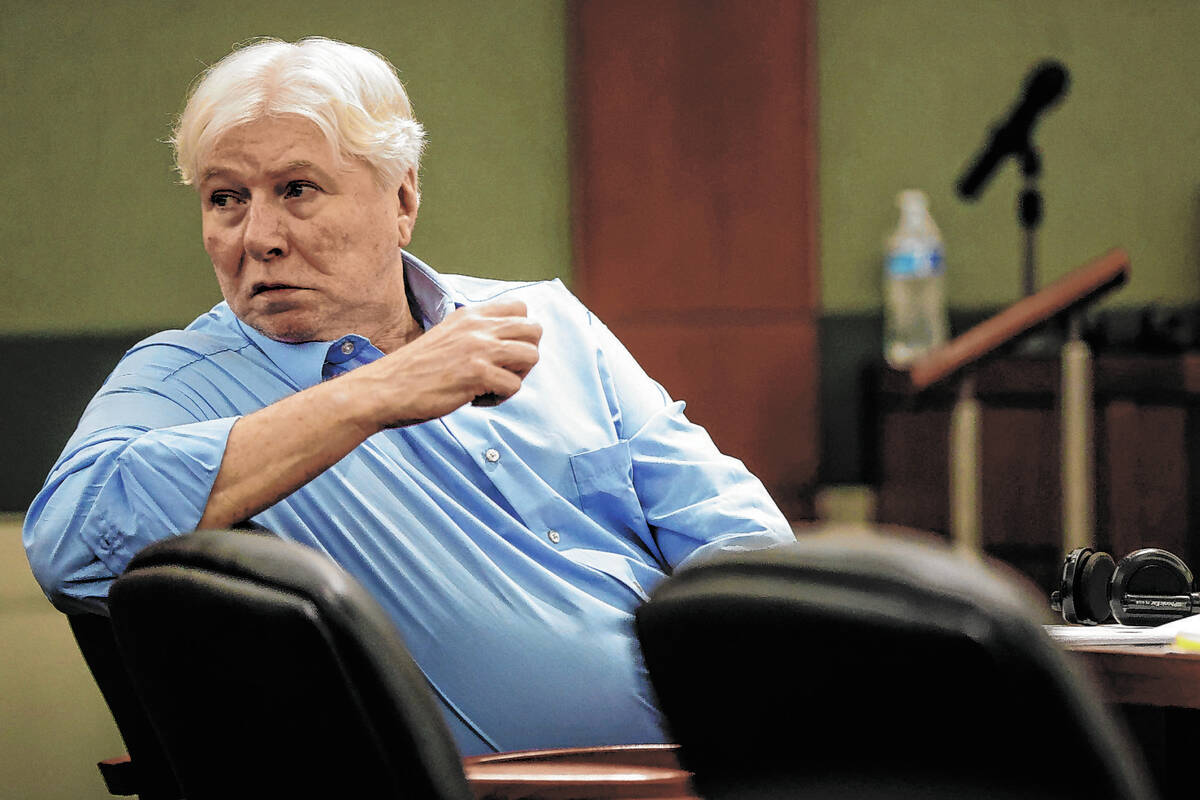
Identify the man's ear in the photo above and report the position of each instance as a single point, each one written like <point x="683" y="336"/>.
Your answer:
<point x="410" y="200"/>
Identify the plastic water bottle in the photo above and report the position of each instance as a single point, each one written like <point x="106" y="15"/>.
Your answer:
<point x="914" y="284"/>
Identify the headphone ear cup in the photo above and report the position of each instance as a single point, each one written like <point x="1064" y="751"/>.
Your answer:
<point x="1149" y="572"/>
<point x="1084" y="591"/>
<point x="1092" y="589"/>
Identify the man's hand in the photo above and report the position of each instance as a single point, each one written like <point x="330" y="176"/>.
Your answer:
<point x="482" y="352"/>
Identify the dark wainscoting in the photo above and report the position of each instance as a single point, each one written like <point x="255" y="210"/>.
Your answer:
<point x="851" y="352"/>
<point x="49" y="379"/>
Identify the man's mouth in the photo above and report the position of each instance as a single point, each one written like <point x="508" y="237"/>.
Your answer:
<point x="260" y="288"/>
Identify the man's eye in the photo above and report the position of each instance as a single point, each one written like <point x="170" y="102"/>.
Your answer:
<point x="222" y="199"/>
<point x="298" y="188"/>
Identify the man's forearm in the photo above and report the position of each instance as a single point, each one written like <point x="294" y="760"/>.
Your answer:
<point x="276" y="450"/>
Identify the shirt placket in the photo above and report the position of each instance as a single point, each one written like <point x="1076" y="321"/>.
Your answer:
<point x="500" y="465"/>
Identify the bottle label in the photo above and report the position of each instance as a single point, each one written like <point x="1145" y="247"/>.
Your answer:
<point x="915" y="263"/>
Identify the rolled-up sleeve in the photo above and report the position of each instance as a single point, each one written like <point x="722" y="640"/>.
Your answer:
<point x="139" y="468"/>
<point x="696" y="500"/>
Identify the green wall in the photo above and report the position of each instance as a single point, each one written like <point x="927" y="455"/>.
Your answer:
<point x="908" y="89"/>
<point x="97" y="236"/>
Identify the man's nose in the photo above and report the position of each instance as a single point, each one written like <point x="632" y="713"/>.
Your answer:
<point x="265" y="235"/>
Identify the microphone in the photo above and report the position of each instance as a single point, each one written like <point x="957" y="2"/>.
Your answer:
<point x="1043" y="88"/>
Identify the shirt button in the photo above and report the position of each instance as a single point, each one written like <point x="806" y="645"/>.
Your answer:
<point x="492" y="455"/>
<point x="347" y="348"/>
<point x="553" y="536"/>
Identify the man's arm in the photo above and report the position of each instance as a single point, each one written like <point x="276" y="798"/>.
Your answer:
<point x="695" y="499"/>
<point x="485" y="349"/>
<point x="152" y="458"/>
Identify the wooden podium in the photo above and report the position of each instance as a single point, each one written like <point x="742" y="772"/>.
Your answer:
<point x="962" y="372"/>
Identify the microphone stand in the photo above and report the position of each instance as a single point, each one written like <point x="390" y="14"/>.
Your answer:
<point x="1029" y="215"/>
<point x="1041" y="343"/>
<point x="1076" y="424"/>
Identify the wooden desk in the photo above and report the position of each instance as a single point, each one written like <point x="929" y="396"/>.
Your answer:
<point x="631" y="772"/>
<point x="1157" y="690"/>
<point x="1157" y="694"/>
<point x="1146" y="675"/>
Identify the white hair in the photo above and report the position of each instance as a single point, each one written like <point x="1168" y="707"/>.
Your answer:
<point x="352" y="94"/>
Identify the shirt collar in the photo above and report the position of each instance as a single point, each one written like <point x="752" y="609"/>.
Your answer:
<point x="433" y="296"/>
<point x="304" y="363"/>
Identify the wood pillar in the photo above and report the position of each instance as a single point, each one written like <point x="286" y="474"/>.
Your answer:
<point x="695" y="213"/>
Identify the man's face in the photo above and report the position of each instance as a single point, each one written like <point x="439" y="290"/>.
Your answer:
<point x="305" y="248"/>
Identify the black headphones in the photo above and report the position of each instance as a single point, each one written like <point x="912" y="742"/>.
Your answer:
<point x="1147" y="587"/>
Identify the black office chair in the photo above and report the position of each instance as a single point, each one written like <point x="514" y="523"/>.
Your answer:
<point x="865" y="666"/>
<point x="144" y="770"/>
<point x="268" y="672"/>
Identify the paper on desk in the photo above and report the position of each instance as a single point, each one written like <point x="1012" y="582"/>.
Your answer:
<point x="1187" y="627"/>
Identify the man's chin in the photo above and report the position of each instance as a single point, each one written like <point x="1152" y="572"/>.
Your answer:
<point x="288" y="332"/>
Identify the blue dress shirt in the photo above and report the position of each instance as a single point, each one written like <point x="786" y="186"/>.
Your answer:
<point x="510" y="544"/>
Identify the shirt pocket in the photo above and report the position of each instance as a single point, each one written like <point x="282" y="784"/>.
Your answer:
<point x="604" y="480"/>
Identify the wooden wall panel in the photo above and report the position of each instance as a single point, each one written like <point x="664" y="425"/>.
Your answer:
<point x="1020" y="446"/>
<point x="1146" y="462"/>
<point x="1146" y="472"/>
<point x="911" y="456"/>
<point x="694" y="212"/>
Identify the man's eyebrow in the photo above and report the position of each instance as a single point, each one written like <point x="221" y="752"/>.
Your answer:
<point x="294" y="165"/>
<point x="300" y="165"/>
<point x="213" y="172"/>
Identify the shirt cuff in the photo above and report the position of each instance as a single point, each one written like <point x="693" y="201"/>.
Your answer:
<point x="158" y="488"/>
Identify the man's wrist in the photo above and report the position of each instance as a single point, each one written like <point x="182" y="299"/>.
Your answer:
<point x="347" y="400"/>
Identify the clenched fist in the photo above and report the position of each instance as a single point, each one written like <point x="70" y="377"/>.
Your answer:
<point x="478" y="353"/>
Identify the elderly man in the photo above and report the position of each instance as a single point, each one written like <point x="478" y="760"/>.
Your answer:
<point x="509" y="517"/>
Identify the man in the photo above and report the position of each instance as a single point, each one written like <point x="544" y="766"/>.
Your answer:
<point x="509" y="517"/>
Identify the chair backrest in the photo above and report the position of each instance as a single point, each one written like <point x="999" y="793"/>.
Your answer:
<point x="148" y="773"/>
<point x="863" y="665"/>
<point x="268" y="671"/>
